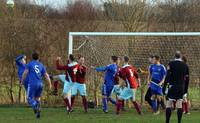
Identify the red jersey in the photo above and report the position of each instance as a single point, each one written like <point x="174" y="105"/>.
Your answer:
<point x="81" y="74"/>
<point x="70" y="70"/>
<point x="129" y="74"/>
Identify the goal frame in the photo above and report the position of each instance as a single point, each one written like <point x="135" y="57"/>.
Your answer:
<point x="72" y="34"/>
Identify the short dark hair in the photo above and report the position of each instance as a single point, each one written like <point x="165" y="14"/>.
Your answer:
<point x="184" y="58"/>
<point x="178" y="55"/>
<point x="151" y="56"/>
<point x="114" y="58"/>
<point x="35" y="56"/>
<point x="126" y="58"/>
<point x="157" y="57"/>
<point x="71" y="57"/>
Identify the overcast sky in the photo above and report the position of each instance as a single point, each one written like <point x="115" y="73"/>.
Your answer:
<point x="61" y="3"/>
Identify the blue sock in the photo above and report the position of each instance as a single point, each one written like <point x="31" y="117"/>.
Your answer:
<point x="105" y="106"/>
<point x="33" y="103"/>
<point x="112" y="101"/>
<point x="154" y="105"/>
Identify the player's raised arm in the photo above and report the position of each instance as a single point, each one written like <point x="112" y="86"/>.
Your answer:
<point x="59" y="66"/>
<point x="18" y="59"/>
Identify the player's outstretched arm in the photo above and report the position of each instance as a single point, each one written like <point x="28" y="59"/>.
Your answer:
<point x="59" y="66"/>
<point x="100" y="69"/>
<point x="48" y="79"/>
<point x="24" y="76"/>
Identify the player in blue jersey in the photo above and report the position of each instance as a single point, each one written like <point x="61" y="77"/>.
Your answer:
<point x="156" y="78"/>
<point x="35" y="71"/>
<point x="21" y="66"/>
<point x="109" y="81"/>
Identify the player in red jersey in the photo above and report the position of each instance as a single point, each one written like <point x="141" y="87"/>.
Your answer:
<point x="79" y="85"/>
<point x="71" y="71"/>
<point x="129" y="74"/>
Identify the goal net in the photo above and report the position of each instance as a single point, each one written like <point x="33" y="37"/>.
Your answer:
<point x="98" y="47"/>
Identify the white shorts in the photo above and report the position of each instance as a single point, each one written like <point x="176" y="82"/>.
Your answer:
<point x="127" y="93"/>
<point x="81" y="88"/>
<point x="67" y="87"/>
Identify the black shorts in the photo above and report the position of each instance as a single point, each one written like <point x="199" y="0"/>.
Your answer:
<point x="175" y="93"/>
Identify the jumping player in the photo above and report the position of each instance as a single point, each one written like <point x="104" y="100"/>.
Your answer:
<point x="70" y="71"/>
<point x="177" y="71"/>
<point x="79" y="85"/>
<point x="156" y="78"/>
<point x="109" y="81"/>
<point x="21" y="65"/>
<point x="35" y="71"/>
<point x="67" y="86"/>
<point x="129" y="74"/>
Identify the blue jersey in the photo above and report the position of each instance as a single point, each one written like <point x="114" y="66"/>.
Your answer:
<point x="110" y="72"/>
<point x="158" y="72"/>
<point x="36" y="71"/>
<point x="20" y="66"/>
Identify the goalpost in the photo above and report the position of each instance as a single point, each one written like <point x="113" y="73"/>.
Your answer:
<point x="72" y="34"/>
<point x="97" y="47"/>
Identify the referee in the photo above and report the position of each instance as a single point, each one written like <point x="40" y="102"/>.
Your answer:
<point x="177" y="71"/>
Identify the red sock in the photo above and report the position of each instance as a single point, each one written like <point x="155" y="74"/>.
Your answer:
<point x="84" y="101"/>
<point x="118" y="106"/>
<point x="67" y="104"/>
<point x="72" y="100"/>
<point x="184" y="106"/>
<point x="55" y="85"/>
<point x="187" y="107"/>
<point x="174" y="104"/>
<point x="137" y="107"/>
<point x="123" y="103"/>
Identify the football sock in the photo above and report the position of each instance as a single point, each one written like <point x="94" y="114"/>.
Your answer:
<point x="32" y="103"/>
<point x="187" y="107"/>
<point x="154" y="105"/>
<point x="137" y="107"/>
<point x="67" y="104"/>
<point x="105" y="106"/>
<point x="123" y="103"/>
<point x="72" y="101"/>
<point x="55" y="85"/>
<point x="168" y="114"/>
<point x="158" y="105"/>
<point x="179" y="114"/>
<point x="162" y="103"/>
<point x="84" y="101"/>
<point x="118" y="106"/>
<point x="112" y="101"/>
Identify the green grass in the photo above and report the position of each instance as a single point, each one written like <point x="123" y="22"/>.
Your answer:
<point x="59" y="115"/>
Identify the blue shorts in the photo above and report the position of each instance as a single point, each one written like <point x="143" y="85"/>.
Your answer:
<point x="67" y="85"/>
<point x="81" y="88"/>
<point x="34" y="91"/>
<point x="107" y="90"/>
<point x="156" y="89"/>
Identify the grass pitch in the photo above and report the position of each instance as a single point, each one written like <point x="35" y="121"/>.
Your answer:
<point x="59" y="115"/>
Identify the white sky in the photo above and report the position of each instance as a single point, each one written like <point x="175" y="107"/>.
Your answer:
<point x="62" y="3"/>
